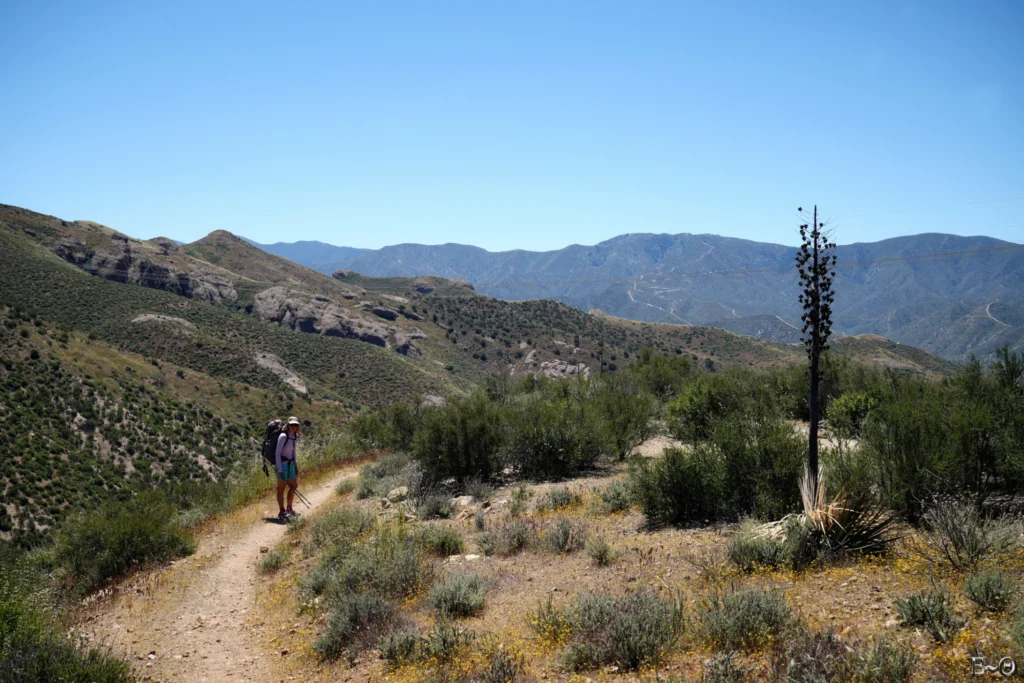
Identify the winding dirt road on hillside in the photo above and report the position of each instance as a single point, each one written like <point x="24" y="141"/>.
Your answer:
<point x="197" y="619"/>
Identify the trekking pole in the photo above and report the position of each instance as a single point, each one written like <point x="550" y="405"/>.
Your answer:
<point x="303" y="499"/>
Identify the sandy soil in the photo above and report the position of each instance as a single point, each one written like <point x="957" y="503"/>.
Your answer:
<point x="197" y="619"/>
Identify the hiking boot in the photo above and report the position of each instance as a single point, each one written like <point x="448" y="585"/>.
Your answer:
<point x="292" y="513"/>
<point x="283" y="516"/>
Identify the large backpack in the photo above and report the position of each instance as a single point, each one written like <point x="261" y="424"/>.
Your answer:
<point x="269" y="448"/>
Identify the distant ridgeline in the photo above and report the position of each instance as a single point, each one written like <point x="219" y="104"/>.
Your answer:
<point x="953" y="296"/>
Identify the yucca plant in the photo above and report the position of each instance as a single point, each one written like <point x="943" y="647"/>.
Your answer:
<point x="849" y="523"/>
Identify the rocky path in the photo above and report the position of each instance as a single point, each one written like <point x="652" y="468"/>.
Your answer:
<point x="197" y="620"/>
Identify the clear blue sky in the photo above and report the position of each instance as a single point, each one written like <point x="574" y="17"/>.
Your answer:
<point x="524" y="125"/>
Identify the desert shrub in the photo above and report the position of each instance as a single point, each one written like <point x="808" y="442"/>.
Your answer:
<point x="559" y="498"/>
<point x="520" y="498"/>
<point x="992" y="591"/>
<point x="742" y="619"/>
<point x="932" y="609"/>
<point x="340" y="524"/>
<point x="391" y="471"/>
<point x="1017" y="628"/>
<point x="959" y="536"/>
<point x="813" y="657"/>
<point x="459" y="595"/>
<point x="695" y="414"/>
<point x="624" y="412"/>
<point x="478" y="489"/>
<point x="445" y="641"/>
<point x="392" y="427"/>
<point x="659" y="375"/>
<point x="34" y="647"/>
<point x="95" y="547"/>
<point x="346" y="486"/>
<point x="442" y="541"/>
<point x="548" y="622"/>
<point x="615" y="497"/>
<point x="356" y="622"/>
<point x="847" y="413"/>
<point x="399" y="647"/>
<point x="600" y="551"/>
<point x="508" y="539"/>
<point x="435" y="506"/>
<point x="274" y="560"/>
<point x="565" y="536"/>
<point x="389" y="564"/>
<point x="750" y="550"/>
<point x="502" y="665"/>
<point x="461" y="439"/>
<point x="479" y="520"/>
<point x="885" y="662"/>
<point x="763" y="460"/>
<point x="680" y="487"/>
<point x="551" y="438"/>
<point x="630" y="631"/>
<point x="726" y="668"/>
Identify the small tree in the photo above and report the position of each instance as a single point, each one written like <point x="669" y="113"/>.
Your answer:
<point x="816" y="262"/>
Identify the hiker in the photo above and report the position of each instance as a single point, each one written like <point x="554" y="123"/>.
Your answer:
<point x="287" y="470"/>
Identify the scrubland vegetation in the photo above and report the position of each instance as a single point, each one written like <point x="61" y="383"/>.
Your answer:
<point x="920" y="479"/>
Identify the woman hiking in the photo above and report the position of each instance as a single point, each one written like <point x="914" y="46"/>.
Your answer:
<point x="287" y="470"/>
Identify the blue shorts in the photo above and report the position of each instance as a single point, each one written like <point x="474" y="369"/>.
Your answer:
<point x="288" y="470"/>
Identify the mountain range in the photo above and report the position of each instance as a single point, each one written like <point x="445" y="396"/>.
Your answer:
<point x="953" y="296"/>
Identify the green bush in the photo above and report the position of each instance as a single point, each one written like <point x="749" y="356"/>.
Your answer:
<point x="355" y="623"/>
<point x="992" y="591"/>
<point x="435" y="506"/>
<point x="631" y="631"/>
<point x="443" y="541"/>
<point x="813" y="658"/>
<point x="391" y="471"/>
<point x="846" y="414"/>
<point x="600" y="551"/>
<point x="508" y="539"/>
<point x="695" y="414"/>
<point x="339" y="525"/>
<point x="346" y="486"/>
<point x="886" y="662"/>
<point x="1017" y="629"/>
<point x="503" y="665"/>
<point x="273" y="562"/>
<point x="559" y="498"/>
<point x="445" y="641"/>
<point x="750" y="550"/>
<point x="548" y="622"/>
<point x="461" y="439"/>
<point x="624" y="412"/>
<point x="551" y="438"/>
<point x="932" y="609"/>
<point x="680" y="487"/>
<point x="615" y="497"/>
<point x="459" y="595"/>
<point x="565" y="536"/>
<point x="726" y="668"/>
<point x="743" y="619"/>
<point x="33" y="645"/>
<point x="400" y="647"/>
<point x="95" y="547"/>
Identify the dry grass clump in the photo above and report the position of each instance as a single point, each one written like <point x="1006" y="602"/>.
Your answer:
<point x="442" y="541"/>
<point x="821" y="657"/>
<point x="558" y="499"/>
<point x="600" y="551"/>
<point x="274" y="561"/>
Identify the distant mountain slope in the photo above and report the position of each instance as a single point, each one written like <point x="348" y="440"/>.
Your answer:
<point x="893" y="287"/>
<point x="316" y="255"/>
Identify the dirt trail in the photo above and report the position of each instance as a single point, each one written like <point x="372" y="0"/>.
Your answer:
<point x="197" y="620"/>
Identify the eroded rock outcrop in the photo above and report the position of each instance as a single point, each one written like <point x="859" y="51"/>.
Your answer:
<point x="179" y="325"/>
<point x="318" y="315"/>
<point x="274" y="363"/>
<point x="125" y="261"/>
